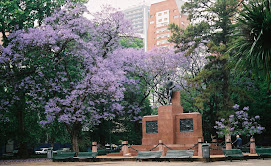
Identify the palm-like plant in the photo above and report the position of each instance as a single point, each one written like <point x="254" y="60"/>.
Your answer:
<point x="253" y="45"/>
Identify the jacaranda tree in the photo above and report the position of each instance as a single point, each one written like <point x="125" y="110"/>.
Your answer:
<point x="239" y="123"/>
<point x="62" y="67"/>
<point x="151" y="70"/>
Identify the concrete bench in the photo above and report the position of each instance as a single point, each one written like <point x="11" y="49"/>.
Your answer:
<point x="148" y="155"/>
<point x="82" y="155"/>
<point x="87" y="155"/>
<point x="179" y="154"/>
<point x="174" y="154"/>
<point x="263" y="152"/>
<point x="64" y="155"/>
<point x="234" y="153"/>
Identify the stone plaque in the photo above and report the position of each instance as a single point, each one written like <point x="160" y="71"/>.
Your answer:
<point x="151" y="127"/>
<point x="186" y="125"/>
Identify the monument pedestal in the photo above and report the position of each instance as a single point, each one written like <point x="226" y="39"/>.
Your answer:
<point x="167" y="123"/>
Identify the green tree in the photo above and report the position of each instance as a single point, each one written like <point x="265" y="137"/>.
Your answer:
<point x="209" y="33"/>
<point x="132" y="42"/>
<point x="252" y="45"/>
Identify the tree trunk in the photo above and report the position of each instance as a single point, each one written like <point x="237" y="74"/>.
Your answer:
<point x="228" y="141"/>
<point x="23" y="153"/>
<point x="75" y="146"/>
<point x="75" y="131"/>
<point x="225" y="89"/>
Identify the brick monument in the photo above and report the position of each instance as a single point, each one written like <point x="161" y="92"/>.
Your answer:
<point x="172" y="126"/>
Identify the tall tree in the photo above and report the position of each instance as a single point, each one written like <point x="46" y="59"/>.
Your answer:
<point x="210" y="30"/>
<point x="62" y="67"/>
<point x="252" y="46"/>
<point x="15" y="15"/>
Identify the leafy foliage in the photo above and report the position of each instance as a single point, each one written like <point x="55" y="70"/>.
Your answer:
<point x="132" y="43"/>
<point x="208" y="36"/>
<point x="252" y="46"/>
<point x="22" y="14"/>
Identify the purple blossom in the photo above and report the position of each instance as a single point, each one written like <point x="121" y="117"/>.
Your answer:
<point x="242" y="123"/>
<point x="236" y="106"/>
<point x="245" y="123"/>
<point x="246" y="108"/>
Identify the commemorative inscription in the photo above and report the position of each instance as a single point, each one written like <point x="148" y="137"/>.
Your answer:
<point x="186" y="125"/>
<point x="151" y="127"/>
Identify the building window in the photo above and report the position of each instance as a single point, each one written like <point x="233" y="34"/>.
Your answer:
<point x="161" y="30"/>
<point x="151" y="22"/>
<point x="174" y="10"/>
<point x="151" y="16"/>
<point x="160" y="42"/>
<point x="166" y="35"/>
<point x="162" y="24"/>
<point x="162" y="18"/>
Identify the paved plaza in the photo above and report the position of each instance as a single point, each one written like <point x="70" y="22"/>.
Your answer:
<point x="251" y="162"/>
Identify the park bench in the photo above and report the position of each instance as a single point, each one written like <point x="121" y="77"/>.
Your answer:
<point x="263" y="152"/>
<point x="148" y="155"/>
<point x="87" y="155"/>
<point x="234" y="153"/>
<point x="64" y="155"/>
<point x="179" y="154"/>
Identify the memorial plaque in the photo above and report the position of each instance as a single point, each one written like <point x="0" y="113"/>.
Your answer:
<point x="151" y="127"/>
<point x="186" y="125"/>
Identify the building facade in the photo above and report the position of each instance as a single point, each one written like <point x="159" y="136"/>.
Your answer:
<point x="139" y="18"/>
<point x="160" y="16"/>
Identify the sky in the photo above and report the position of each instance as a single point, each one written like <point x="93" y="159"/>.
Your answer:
<point x="95" y="5"/>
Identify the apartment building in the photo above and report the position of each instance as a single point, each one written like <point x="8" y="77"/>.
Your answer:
<point x="138" y="15"/>
<point x="160" y="16"/>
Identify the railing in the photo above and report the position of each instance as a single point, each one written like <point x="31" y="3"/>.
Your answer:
<point x="129" y="146"/>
